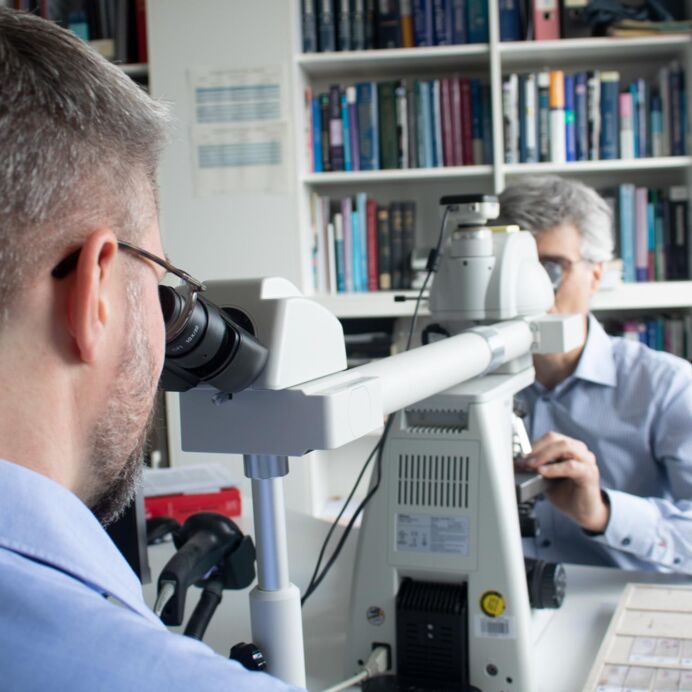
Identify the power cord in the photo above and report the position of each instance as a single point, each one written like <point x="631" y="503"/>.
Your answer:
<point x="378" y="662"/>
<point x="317" y="576"/>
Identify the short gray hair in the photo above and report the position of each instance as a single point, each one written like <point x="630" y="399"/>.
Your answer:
<point x="542" y="203"/>
<point x="79" y="147"/>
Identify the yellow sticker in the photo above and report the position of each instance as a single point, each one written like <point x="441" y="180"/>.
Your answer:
<point x="493" y="604"/>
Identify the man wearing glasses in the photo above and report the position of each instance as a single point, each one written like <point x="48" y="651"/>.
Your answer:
<point x="611" y="421"/>
<point x="81" y="351"/>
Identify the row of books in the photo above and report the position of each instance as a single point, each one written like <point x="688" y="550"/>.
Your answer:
<point x="360" y="245"/>
<point x="399" y="124"/>
<point x="665" y="333"/>
<point x="116" y="28"/>
<point x="652" y="232"/>
<point x="558" y="117"/>
<point x="345" y="25"/>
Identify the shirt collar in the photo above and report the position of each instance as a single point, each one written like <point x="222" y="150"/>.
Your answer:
<point x="44" y="521"/>
<point x="597" y="363"/>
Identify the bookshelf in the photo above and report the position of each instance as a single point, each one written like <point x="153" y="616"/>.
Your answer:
<point x="258" y="232"/>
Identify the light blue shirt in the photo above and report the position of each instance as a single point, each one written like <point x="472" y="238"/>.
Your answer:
<point x="57" y="629"/>
<point x="632" y="407"/>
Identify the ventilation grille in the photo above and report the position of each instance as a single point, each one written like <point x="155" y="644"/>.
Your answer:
<point x="433" y="481"/>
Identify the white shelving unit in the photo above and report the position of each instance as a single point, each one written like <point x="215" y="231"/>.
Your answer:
<point x="268" y="233"/>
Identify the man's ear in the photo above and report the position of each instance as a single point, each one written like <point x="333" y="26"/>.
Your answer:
<point x="596" y="276"/>
<point x="89" y="304"/>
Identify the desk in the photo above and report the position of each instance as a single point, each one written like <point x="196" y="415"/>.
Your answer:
<point x="567" y="642"/>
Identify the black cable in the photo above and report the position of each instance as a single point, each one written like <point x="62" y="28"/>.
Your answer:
<point x="315" y="581"/>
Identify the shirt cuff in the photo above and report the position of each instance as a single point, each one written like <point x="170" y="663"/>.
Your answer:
<point x="632" y="523"/>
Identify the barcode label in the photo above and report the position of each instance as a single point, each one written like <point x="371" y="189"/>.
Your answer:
<point x="494" y="628"/>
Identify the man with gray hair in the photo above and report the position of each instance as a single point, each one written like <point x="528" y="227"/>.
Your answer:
<point x="81" y="351"/>
<point x="611" y="421"/>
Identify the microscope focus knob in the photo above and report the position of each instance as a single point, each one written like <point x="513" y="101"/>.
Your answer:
<point x="546" y="581"/>
<point x="249" y="656"/>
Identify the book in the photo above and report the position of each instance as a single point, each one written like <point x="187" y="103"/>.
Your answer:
<point x="356" y="252"/>
<point x="678" y="109"/>
<point x="510" y="117"/>
<point x="402" y="128"/>
<point x="543" y="86"/>
<point x="447" y="124"/>
<point x="339" y="253"/>
<point x="570" y="130"/>
<point x="459" y="24"/>
<point x="406" y="21"/>
<point x="457" y="116"/>
<point x="316" y="120"/>
<point x="641" y="228"/>
<point x="326" y="26"/>
<point x="442" y="22"/>
<point x="657" y="147"/>
<point x="324" y="132"/>
<point x="558" y="136"/>
<point x="336" y="129"/>
<point x="423" y="23"/>
<point x="425" y="125"/>
<point x="610" y="126"/>
<point x="594" y="115"/>
<point x="368" y="126"/>
<point x="510" y="21"/>
<point x="626" y="210"/>
<point x="387" y="112"/>
<point x="354" y="136"/>
<point x="626" y="126"/>
<point x="388" y="24"/>
<point x="466" y="121"/>
<point x="344" y="25"/>
<point x="546" y="20"/>
<point x="396" y="226"/>
<point x="437" y="124"/>
<point x="408" y="240"/>
<point x="361" y="208"/>
<point x="412" y="126"/>
<point x="581" y="107"/>
<point x="477" y="27"/>
<point x="347" y="215"/>
<point x="384" y="249"/>
<point x="642" y="118"/>
<point x="664" y="93"/>
<point x="373" y="256"/>
<point x="346" y="127"/>
<point x="358" y="25"/>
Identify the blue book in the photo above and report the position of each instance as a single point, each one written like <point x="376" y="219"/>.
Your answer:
<point x="424" y="124"/>
<point x="361" y="208"/>
<point x="644" y="144"/>
<point x="423" y="34"/>
<point x="442" y="22"/>
<point x="656" y="146"/>
<point x="368" y="126"/>
<point x="477" y="21"/>
<point x="651" y="224"/>
<point x="610" y="119"/>
<point x="570" y="129"/>
<point x="678" y="110"/>
<point x="346" y="125"/>
<point x="627" y="216"/>
<point x="326" y="25"/>
<point x="510" y="21"/>
<point x="581" y="114"/>
<point x="634" y="93"/>
<point x="316" y="135"/>
<point x="339" y="254"/>
<point x="355" y="251"/>
<point x="459" y="32"/>
<point x="651" y="334"/>
<point x="309" y="24"/>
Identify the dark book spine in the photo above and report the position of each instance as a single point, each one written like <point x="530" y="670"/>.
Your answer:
<point x="326" y="26"/>
<point x="423" y="22"/>
<point x="324" y="134"/>
<point x="388" y="24"/>
<point x="396" y="228"/>
<point x="447" y="125"/>
<point x="459" y="24"/>
<point x="358" y="25"/>
<point x="336" y="129"/>
<point x="344" y="25"/>
<point x="309" y="22"/>
<point x="442" y="22"/>
<point x="408" y="242"/>
<point x="466" y="122"/>
<point x="368" y="128"/>
<point x="370" y="25"/>
<point x="411" y="123"/>
<point x="389" y="149"/>
<point x="384" y="249"/>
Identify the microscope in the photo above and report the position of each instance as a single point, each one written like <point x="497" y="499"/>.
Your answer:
<point x="440" y="577"/>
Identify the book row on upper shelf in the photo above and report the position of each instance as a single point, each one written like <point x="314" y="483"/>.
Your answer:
<point x="552" y="116"/>
<point x="345" y="25"/>
<point x="360" y="245"/>
<point x="115" y="28"/>
<point x="662" y="333"/>
<point x="399" y="124"/>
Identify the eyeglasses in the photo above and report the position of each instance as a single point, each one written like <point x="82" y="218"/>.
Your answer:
<point x="177" y="304"/>
<point x="556" y="268"/>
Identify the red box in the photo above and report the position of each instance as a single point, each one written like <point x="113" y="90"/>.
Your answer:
<point x="225" y="501"/>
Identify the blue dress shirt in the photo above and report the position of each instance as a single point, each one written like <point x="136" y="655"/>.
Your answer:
<point x="632" y="407"/>
<point x="58" y="631"/>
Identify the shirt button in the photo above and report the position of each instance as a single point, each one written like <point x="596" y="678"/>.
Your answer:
<point x="546" y="543"/>
<point x="626" y="541"/>
<point x="677" y="561"/>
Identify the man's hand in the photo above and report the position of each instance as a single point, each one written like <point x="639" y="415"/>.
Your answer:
<point x="578" y="494"/>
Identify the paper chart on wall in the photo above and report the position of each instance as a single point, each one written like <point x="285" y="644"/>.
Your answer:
<point x="239" y="131"/>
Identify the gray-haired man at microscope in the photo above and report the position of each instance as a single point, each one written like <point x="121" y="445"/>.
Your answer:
<point x="611" y="421"/>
